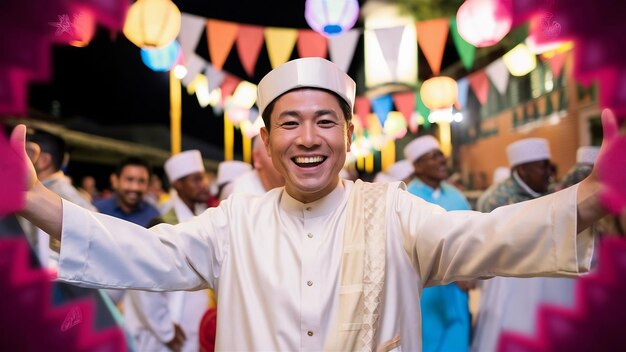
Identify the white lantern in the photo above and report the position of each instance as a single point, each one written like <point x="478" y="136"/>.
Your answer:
<point x="520" y="60"/>
<point x="331" y="17"/>
<point x="484" y="22"/>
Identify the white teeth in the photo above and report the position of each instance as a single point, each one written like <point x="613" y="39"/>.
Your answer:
<point x="309" y="159"/>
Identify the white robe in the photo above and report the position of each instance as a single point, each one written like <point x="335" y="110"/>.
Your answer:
<point x="275" y="262"/>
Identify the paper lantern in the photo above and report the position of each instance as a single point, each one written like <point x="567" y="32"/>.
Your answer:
<point x="331" y="17"/>
<point x="484" y="22"/>
<point x="161" y="59"/>
<point x="439" y="92"/>
<point x="152" y="23"/>
<point x="520" y="60"/>
<point x="245" y="95"/>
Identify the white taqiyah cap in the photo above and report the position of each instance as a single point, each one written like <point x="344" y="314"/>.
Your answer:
<point x="501" y="173"/>
<point x="420" y="146"/>
<point x="400" y="170"/>
<point x="227" y="171"/>
<point x="311" y="72"/>
<point x="183" y="164"/>
<point x="527" y="150"/>
<point x="587" y="155"/>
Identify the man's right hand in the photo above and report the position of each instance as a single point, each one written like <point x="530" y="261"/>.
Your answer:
<point x="177" y="342"/>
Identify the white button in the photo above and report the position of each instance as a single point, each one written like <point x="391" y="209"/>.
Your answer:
<point x="309" y="235"/>
<point x="310" y="283"/>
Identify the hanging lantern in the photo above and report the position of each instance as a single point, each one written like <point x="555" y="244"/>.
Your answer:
<point x="520" y="60"/>
<point x="331" y="17"/>
<point x="245" y="95"/>
<point x="439" y="92"/>
<point x="152" y="23"/>
<point x="161" y="59"/>
<point x="484" y="22"/>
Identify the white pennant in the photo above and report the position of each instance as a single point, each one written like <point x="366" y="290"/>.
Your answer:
<point x="191" y="28"/>
<point x="194" y="65"/>
<point x="215" y="77"/>
<point x="499" y="75"/>
<point x="389" y="41"/>
<point x="341" y="48"/>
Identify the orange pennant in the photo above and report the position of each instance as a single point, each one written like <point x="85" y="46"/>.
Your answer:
<point x="249" y="44"/>
<point x="557" y="62"/>
<point x="480" y="85"/>
<point x="362" y="109"/>
<point x="221" y="36"/>
<point x="311" y="44"/>
<point x="228" y="86"/>
<point x="432" y="36"/>
<point x="405" y="103"/>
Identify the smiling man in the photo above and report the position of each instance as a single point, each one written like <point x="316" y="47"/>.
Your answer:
<point x="322" y="263"/>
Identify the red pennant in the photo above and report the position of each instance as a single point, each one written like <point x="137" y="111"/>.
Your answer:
<point x="312" y="44"/>
<point x="557" y="62"/>
<point x="362" y="108"/>
<point x="249" y="44"/>
<point x="405" y="103"/>
<point x="228" y="86"/>
<point x="221" y="36"/>
<point x="480" y="85"/>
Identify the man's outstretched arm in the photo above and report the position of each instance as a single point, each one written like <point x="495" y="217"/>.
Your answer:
<point x="43" y="207"/>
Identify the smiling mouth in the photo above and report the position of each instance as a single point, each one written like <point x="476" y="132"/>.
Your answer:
<point x="308" y="161"/>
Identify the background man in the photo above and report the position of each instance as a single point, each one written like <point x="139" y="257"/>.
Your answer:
<point x="511" y="303"/>
<point x="445" y="311"/>
<point x="264" y="176"/>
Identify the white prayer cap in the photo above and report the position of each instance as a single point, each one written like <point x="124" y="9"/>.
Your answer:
<point x="183" y="164"/>
<point x="587" y="155"/>
<point x="227" y="171"/>
<point x="313" y="72"/>
<point x="420" y="146"/>
<point x="400" y="170"/>
<point x="501" y="173"/>
<point x="528" y="150"/>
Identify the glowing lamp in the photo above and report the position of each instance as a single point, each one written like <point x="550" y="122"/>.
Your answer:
<point x="331" y="17"/>
<point x="244" y="95"/>
<point x="484" y="22"/>
<point x="439" y="92"/>
<point x="395" y="125"/>
<point x="161" y="59"/>
<point x="152" y="23"/>
<point x="520" y="60"/>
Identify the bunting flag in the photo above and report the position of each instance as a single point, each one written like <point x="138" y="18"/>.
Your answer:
<point x="462" y="87"/>
<point x="311" y="44"/>
<point x="362" y="109"/>
<point x="228" y="86"/>
<point x="221" y="36"/>
<point x="215" y="77"/>
<point x="194" y="64"/>
<point x="405" y="103"/>
<point x="389" y="41"/>
<point x="557" y="62"/>
<point x="480" y="85"/>
<point x="431" y="37"/>
<point x="280" y="43"/>
<point x="467" y="51"/>
<point x="249" y="45"/>
<point x="499" y="75"/>
<point x="341" y="48"/>
<point x="381" y="107"/>
<point x="374" y="127"/>
<point x="191" y="28"/>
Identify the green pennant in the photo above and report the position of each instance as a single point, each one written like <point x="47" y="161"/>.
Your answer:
<point x="467" y="51"/>
<point x="422" y="109"/>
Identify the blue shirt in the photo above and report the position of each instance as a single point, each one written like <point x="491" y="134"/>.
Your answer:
<point x="140" y="215"/>
<point x="445" y="312"/>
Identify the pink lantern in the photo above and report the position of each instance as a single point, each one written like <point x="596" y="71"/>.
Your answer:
<point x="484" y="22"/>
<point x="331" y="17"/>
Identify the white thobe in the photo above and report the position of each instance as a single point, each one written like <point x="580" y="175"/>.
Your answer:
<point x="277" y="261"/>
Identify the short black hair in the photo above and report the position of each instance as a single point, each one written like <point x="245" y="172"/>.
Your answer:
<point x="135" y="161"/>
<point x="51" y="144"/>
<point x="345" y="107"/>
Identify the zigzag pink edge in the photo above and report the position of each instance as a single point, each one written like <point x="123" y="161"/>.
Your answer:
<point x="28" y="320"/>
<point x="598" y="320"/>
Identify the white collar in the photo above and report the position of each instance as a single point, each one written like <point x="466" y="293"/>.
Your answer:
<point x="524" y="186"/>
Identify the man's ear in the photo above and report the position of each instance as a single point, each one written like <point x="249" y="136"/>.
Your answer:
<point x="350" y="131"/>
<point x="113" y="180"/>
<point x="265" y="137"/>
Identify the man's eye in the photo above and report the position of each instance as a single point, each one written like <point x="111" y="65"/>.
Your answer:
<point x="327" y="122"/>
<point x="289" y="124"/>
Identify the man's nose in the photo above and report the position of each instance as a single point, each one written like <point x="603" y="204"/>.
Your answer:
<point x="308" y="135"/>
